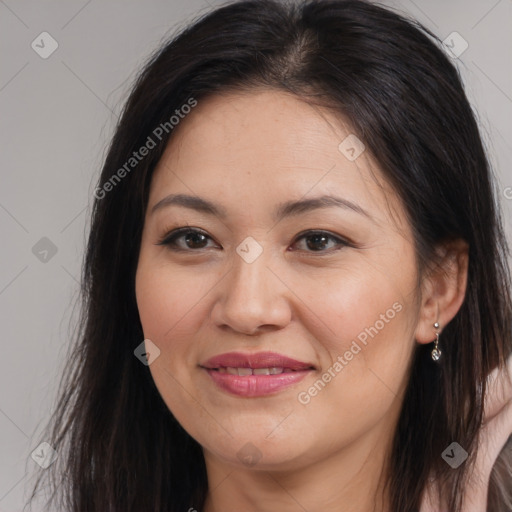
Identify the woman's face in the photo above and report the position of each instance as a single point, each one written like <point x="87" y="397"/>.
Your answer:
<point x="258" y="277"/>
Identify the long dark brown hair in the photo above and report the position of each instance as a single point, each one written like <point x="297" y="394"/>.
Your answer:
<point x="120" y="448"/>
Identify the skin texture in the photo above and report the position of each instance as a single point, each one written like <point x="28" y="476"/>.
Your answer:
<point x="248" y="153"/>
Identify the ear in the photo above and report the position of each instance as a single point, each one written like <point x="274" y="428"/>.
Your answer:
<point x="443" y="289"/>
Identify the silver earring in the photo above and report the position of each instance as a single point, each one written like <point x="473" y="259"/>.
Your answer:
<point x="436" y="352"/>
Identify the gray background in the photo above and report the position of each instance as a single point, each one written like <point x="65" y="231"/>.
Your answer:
<point x="57" y="115"/>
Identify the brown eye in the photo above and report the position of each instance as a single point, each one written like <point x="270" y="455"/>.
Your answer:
<point x="191" y="239"/>
<point x="320" y="241"/>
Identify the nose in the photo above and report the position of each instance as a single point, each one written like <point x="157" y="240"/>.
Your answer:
<point x="252" y="299"/>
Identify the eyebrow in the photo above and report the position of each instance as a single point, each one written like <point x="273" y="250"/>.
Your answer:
<point x="283" y="210"/>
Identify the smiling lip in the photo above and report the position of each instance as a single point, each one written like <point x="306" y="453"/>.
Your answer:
<point x="284" y="371"/>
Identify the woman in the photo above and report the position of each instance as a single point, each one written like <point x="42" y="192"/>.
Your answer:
<point x="295" y="285"/>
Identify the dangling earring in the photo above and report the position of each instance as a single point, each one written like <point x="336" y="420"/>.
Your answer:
<point x="436" y="352"/>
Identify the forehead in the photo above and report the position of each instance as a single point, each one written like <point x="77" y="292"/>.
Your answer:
<point x="260" y="124"/>
<point x="265" y="144"/>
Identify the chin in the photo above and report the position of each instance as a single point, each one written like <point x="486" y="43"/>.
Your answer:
<point x="260" y="454"/>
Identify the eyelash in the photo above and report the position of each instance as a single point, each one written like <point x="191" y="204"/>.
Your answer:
<point x="170" y="238"/>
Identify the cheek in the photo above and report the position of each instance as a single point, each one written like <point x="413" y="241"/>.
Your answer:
<point x="169" y="304"/>
<point x="364" y="337"/>
<point x="174" y="306"/>
<point x="168" y="300"/>
<point x="357" y="304"/>
<point x="364" y="327"/>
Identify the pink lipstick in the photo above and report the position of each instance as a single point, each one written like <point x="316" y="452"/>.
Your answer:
<point x="253" y="375"/>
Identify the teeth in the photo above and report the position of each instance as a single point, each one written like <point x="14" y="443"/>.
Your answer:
<point x="256" y="371"/>
<point x="261" y="371"/>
